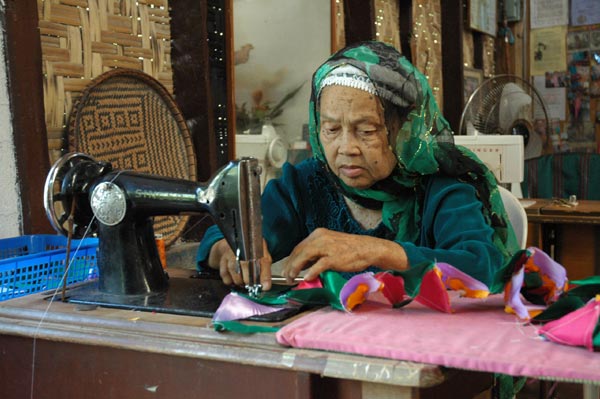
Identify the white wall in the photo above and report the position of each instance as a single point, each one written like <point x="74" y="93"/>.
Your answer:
<point x="291" y="38"/>
<point x="10" y="205"/>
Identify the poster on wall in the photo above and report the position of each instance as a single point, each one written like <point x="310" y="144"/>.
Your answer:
<point x="585" y="12"/>
<point x="548" y="50"/>
<point x="482" y="16"/>
<point x="554" y="96"/>
<point x="548" y="13"/>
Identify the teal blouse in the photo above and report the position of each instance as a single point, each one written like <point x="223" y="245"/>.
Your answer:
<point x="452" y="226"/>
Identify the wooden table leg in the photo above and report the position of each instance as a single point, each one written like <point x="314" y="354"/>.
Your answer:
<point x="549" y="240"/>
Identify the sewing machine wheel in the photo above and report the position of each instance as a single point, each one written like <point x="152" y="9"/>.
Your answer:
<point x="58" y="201"/>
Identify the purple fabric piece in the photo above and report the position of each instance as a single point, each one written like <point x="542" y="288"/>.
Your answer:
<point x="350" y="287"/>
<point x="549" y="267"/>
<point x="513" y="297"/>
<point x="237" y="307"/>
<point x="449" y="271"/>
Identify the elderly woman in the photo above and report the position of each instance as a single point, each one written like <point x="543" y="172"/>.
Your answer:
<point x="386" y="188"/>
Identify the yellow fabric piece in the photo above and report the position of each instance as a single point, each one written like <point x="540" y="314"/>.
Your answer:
<point x="457" y="285"/>
<point x="358" y="296"/>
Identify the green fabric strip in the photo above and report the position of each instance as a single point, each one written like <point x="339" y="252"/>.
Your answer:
<point x="276" y="296"/>
<point x="241" y="328"/>
<point x="559" y="308"/>
<point x="587" y="281"/>
<point x="596" y="340"/>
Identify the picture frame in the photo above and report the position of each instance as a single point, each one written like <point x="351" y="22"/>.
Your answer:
<point x="472" y="78"/>
<point x="483" y="16"/>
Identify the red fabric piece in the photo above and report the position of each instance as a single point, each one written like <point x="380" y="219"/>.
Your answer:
<point x="433" y="293"/>
<point x="393" y="287"/>
<point x="304" y="285"/>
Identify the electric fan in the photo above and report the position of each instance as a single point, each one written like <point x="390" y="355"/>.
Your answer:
<point x="507" y="105"/>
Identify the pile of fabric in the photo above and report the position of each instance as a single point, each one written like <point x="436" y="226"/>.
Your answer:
<point x="535" y="287"/>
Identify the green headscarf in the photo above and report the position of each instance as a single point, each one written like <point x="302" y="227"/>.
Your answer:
<point x="424" y="145"/>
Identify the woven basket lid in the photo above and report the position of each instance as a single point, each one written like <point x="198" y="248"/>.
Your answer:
<point x="129" y="119"/>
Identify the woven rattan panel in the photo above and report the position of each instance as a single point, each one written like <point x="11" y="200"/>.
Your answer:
<point x="129" y="119"/>
<point x="81" y="39"/>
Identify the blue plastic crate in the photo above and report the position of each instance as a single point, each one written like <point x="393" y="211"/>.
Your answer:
<point x="35" y="263"/>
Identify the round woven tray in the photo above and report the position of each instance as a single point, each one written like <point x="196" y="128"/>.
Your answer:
<point x="129" y="119"/>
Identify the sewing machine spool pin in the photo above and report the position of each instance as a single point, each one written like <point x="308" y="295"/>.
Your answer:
<point x="119" y="205"/>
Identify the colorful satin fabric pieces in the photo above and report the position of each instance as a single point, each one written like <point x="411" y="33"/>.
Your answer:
<point x="536" y="290"/>
<point x="574" y="318"/>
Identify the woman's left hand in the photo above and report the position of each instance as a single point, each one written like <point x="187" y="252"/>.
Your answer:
<point x="326" y="249"/>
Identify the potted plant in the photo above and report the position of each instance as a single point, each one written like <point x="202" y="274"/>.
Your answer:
<point x="249" y="120"/>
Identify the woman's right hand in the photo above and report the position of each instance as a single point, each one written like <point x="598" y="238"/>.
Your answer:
<point x="221" y="257"/>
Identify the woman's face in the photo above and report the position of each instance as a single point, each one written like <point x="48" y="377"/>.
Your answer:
<point x="354" y="136"/>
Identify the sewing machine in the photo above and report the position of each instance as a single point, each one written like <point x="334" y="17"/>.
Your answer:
<point x="83" y="196"/>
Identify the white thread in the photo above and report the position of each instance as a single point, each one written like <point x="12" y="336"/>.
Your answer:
<point x="37" y="329"/>
<point x="67" y="267"/>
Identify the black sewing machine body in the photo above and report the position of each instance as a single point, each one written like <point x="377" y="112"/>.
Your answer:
<point x="118" y="207"/>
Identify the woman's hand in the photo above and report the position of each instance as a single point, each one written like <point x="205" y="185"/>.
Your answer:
<point x="222" y="257"/>
<point x="325" y="249"/>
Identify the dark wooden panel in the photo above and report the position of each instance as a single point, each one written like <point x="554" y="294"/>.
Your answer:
<point x="358" y="21"/>
<point x="64" y="370"/>
<point x="452" y="65"/>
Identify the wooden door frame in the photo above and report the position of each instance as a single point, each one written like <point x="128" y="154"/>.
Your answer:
<point x="26" y="95"/>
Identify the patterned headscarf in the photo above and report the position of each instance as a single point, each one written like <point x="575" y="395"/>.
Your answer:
<point x="424" y="144"/>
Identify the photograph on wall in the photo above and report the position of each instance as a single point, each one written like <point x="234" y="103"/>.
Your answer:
<point x="578" y="40"/>
<point x="556" y="79"/>
<point x="595" y="63"/>
<point x="595" y="77"/>
<point x="595" y="39"/>
<point x="472" y="79"/>
<point x="580" y="127"/>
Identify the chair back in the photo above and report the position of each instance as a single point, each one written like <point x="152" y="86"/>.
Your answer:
<point x="516" y="215"/>
<point x="562" y="175"/>
<point x="128" y="118"/>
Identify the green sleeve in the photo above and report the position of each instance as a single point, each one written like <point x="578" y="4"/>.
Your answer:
<point x="283" y="209"/>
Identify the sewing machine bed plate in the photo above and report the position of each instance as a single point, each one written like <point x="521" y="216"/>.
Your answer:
<point x="185" y="296"/>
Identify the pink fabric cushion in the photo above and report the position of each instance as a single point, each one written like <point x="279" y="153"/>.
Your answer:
<point x="478" y="335"/>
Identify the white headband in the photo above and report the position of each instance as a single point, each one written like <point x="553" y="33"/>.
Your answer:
<point x="349" y="76"/>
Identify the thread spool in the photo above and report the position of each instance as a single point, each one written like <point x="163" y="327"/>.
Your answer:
<point x="162" y="252"/>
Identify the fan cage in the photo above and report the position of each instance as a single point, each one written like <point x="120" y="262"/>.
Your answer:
<point x="482" y="107"/>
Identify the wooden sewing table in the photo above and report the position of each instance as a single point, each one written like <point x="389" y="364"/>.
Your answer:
<point x="569" y="233"/>
<point x="61" y="350"/>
